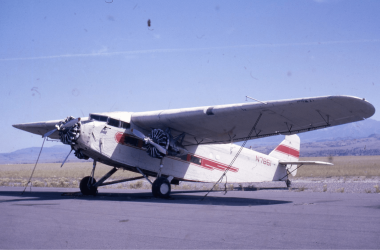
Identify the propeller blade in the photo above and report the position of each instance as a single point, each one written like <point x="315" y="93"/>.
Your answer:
<point x="70" y="123"/>
<point x="50" y="132"/>
<point x="159" y="147"/>
<point x="138" y="134"/>
<point x="149" y="140"/>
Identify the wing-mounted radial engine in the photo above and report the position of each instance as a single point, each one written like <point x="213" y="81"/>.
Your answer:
<point x="160" y="143"/>
<point x="69" y="132"/>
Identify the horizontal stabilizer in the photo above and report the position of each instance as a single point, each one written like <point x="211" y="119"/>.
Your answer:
<point x="305" y="163"/>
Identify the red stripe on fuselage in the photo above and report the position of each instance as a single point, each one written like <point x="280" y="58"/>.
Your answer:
<point x="288" y="150"/>
<point x="217" y="165"/>
<point x="205" y="162"/>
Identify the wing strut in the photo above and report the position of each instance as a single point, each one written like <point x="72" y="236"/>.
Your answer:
<point x="234" y="159"/>
<point x="327" y="116"/>
<point x="35" y="165"/>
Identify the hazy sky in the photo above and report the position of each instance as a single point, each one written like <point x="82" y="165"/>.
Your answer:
<point x="61" y="58"/>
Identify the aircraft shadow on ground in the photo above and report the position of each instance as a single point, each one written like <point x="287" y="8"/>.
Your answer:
<point x="177" y="197"/>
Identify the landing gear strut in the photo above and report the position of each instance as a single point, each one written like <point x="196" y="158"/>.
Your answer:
<point x="160" y="187"/>
<point x="89" y="186"/>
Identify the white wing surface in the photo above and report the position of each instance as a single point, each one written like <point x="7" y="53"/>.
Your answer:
<point x="39" y="128"/>
<point x="226" y="123"/>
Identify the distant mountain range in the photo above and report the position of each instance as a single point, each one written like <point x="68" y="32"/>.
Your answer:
<point x="29" y="155"/>
<point x="359" y="138"/>
<point x="353" y="130"/>
<point x="341" y="147"/>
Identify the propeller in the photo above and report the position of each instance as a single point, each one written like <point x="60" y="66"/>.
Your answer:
<point x="150" y="141"/>
<point x="69" y="123"/>
<point x="61" y="127"/>
<point x="49" y="133"/>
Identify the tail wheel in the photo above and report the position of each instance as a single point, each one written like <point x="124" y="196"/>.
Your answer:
<point x="87" y="186"/>
<point x="161" y="188"/>
<point x="288" y="183"/>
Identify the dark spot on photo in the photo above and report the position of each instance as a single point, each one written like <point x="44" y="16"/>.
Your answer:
<point x="75" y="92"/>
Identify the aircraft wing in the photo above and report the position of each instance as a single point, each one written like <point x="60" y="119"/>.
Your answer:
<point x="226" y="123"/>
<point x="39" y="128"/>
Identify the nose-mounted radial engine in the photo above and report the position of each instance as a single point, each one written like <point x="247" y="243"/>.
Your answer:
<point x="160" y="143"/>
<point x="69" y="132"/>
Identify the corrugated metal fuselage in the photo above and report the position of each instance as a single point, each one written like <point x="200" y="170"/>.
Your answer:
<point x="205" y="163"/>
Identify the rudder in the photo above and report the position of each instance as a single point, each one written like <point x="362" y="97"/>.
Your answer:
<point x="288" y="150"/>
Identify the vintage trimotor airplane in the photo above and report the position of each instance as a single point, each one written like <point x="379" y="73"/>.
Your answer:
<point x="196" y="144"/>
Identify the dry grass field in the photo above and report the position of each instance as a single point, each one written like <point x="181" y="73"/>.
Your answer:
<point x="51" y="175"/>
<point x="343" y="166"/>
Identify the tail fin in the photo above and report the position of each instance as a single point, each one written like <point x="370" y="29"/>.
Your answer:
<point x="288" y="150"/>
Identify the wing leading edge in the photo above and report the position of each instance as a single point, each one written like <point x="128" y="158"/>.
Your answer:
<point x="226" y="123"/>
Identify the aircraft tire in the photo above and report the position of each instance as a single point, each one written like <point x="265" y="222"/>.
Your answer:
<point x="161" y="188"/>
<point x="88" y="190"/>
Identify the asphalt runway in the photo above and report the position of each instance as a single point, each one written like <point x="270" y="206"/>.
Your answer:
<point x="61" y="218"/>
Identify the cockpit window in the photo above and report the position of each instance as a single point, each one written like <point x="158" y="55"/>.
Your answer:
<point x="99" y="118"/>
<point x="125" y="125"/>
<point x="113" y="122"/>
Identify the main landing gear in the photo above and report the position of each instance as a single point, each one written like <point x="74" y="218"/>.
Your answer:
<point x="161" y="187"/>
<point x="89" y="186"/>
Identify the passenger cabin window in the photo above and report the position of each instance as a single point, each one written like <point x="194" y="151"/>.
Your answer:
<point x="195" y="160"/>
<point x="113" y="122"/>
<point x="191" y="158"/>
<point x="99" y="118"/>
<point x="132" y="141"/>
<point x="183" y="157"/>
